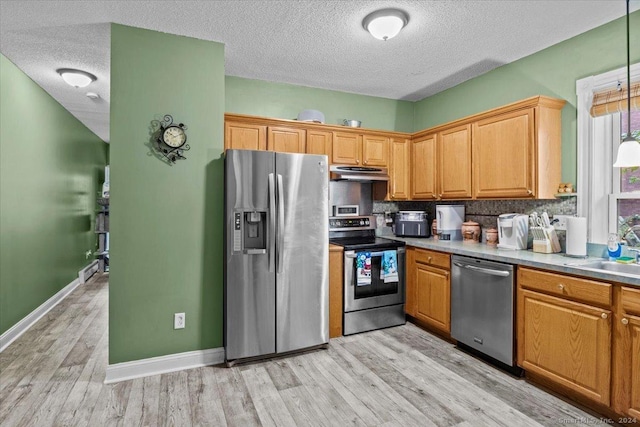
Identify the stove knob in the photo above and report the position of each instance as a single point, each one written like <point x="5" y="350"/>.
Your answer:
<point x="361" y="222"/>
<point x="366" y="221"/>
<point x="338" y="223"/>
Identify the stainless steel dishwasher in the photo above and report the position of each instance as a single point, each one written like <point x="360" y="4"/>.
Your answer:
<point x="483" y="307"/>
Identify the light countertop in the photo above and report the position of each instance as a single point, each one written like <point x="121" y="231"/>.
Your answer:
<point x="553" y="262"/>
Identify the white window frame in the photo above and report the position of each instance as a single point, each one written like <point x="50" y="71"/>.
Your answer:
<point x="597" y="145"/>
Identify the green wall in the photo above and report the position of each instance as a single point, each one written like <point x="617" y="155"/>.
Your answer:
<point x="166" y="221"/>
<point x="285" y="101"/>
<point x="51" y="169"/>
<point x="552" y="71"/>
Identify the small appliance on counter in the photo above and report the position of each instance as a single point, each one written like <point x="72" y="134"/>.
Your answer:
<point x="412" y="224"/>
<point x="449" y="221"/>
<point x="513" y="231"/>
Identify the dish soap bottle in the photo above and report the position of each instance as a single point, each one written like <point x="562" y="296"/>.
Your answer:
<point x="613" y="247"/>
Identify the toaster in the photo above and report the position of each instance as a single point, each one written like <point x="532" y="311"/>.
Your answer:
<point x="412" y="224"/>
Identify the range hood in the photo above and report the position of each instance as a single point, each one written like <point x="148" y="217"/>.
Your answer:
<point x="358" y="173"/>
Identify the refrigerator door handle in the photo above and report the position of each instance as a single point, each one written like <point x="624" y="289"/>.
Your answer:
<point x="272" y="222"/>
<point x="280" y="223"/>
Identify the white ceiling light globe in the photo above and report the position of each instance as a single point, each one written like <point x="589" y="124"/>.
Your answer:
<point x="385" y="24"/>
<point x="76" y="78"/>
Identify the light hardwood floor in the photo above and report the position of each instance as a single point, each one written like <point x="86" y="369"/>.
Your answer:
<point x="54" y="373"/>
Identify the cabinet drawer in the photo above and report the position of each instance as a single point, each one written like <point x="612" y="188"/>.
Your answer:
<point x="436" y="259"/>
<point x="631" y="300"/>
<point x="566" y="286"/>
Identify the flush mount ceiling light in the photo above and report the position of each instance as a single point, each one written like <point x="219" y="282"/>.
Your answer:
<point x="385" y="24"/>
<point x="76" y="78"/>
<point x="629" y="150"/>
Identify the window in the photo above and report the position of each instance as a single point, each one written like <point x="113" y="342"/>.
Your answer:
<point x="605" y="193"/>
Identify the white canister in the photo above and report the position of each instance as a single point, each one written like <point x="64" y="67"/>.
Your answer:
<point x="577" y="236"/>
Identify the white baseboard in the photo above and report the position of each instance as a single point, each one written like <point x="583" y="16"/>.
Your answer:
<point x="23" y="325"/>
<point x="163" y="364"/>
<point x="88" y="271"/>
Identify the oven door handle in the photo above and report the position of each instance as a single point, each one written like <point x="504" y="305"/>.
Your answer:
<point x="500" y="273"/>
<point x="353" y="255"/>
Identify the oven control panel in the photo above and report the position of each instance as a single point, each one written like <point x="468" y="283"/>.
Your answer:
<point x="352" y="223"/>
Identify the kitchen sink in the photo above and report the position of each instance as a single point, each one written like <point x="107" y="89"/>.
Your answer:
<point x="612" y="266"/>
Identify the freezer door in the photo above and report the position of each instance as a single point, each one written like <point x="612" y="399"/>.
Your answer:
<point x="302" y="254"/>
<point x="249" y="288"/>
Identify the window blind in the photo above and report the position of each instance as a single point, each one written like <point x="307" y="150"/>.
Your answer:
<point x="614" y="100"/>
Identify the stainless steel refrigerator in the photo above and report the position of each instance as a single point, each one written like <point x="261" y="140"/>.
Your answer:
<point x="276" y="288"/>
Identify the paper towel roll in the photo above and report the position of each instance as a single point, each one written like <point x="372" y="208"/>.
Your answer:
<point x="577" y="236"/>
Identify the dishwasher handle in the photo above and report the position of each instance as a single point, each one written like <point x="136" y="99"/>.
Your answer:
<point x="490" y="271"/>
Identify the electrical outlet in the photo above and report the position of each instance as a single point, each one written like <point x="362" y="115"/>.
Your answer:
<point x="561" y="224"/>
<point x="178" y="321"/>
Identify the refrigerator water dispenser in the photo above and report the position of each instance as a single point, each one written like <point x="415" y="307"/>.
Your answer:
<point x="249" y="233"/>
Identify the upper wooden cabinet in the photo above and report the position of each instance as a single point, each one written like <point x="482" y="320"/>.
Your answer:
<point x="360" y="149"/>
<point x="399" y="152"/>
<point x="319" y="142"/>
<point x="286" y="140"/>
<point x="375" y="150"/>
<point x="423" y="168"/>
<point x="454" y="163"/>
<point x="346" y="148"/>
<point x="244" y="136"/>
<point x="503" y="152"/>
<point x="517" y="154"/>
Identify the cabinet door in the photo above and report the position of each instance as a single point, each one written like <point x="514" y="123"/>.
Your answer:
<point x="399" y="169"/>
<point x="375" y="150"/>
<point x="319" y="142"/>
<point x="433" y="297"/>
<point x="454" y="172"/>
<point x="627" y="361"/>
<point x="286" y="140"/>
<point x="241" y="136"/>
<point x="336" y="265"/>
<point x="410" y="297"/>
<point x="503" y="155"/>
<point x="423" y="168"/>
<point x="346" y="148"/>
<point x="566" y="342"/>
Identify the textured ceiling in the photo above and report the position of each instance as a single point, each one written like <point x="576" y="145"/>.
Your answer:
<point x="311" y="43"/>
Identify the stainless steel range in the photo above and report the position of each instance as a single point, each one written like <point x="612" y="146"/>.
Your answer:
<point x="374" y="275"/>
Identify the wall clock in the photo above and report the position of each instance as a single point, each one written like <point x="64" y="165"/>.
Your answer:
<point x="172" y="139"/>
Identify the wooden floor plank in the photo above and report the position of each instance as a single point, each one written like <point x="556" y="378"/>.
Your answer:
<point x="268" y="403"/>
<point x="206" y="406"/>
<point x="175" y="406"/>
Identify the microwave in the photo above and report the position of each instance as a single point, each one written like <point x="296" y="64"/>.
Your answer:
<point x="346" y="210"/>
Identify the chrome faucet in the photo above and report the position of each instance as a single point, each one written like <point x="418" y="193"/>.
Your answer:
<point x="637" y="253"/>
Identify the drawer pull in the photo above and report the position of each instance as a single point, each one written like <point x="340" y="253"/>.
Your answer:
<point x="604" y="315"/>
<point x="561" y="287"/>
<point x="429" y="260"/>
<point x="624" y="321"/>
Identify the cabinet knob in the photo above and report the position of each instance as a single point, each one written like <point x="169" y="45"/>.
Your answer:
<point x="357" y="161"/>
<point x="561" y="287"/>
<point x="435" y="196"/>
<point x="429" y="260"/>
<point x="529" y="192"/>
<point x="604" y="315"/>
<point x="624" y="321"/>
<point x="365" y="162"/>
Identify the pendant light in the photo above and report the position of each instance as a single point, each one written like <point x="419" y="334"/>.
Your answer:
<point x="629" y="150"/>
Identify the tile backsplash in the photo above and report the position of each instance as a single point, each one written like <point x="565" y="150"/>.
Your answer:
<point x="485" y="212"/>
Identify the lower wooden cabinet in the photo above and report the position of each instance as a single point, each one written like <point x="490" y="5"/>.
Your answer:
<point x="566" y="342"/>
<point x="428" y="288"/>
<point x="336" y="268"/>
<point x="626" y="366"/>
